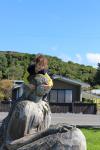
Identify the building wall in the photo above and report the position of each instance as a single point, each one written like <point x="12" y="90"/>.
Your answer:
<point x="76" y="90"/>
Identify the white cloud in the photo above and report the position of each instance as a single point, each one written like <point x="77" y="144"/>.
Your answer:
<point x="64" y="57"/>
<point x="53" y="48"/>
<point x="93" y="57"/>
<point x="78" y="58"/>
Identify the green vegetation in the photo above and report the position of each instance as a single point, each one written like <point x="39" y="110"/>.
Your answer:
<point x="92" y="138"/>
<point x="97" y="76"/>
<point x="5" y="89"/>
<point x="13" y="65"/>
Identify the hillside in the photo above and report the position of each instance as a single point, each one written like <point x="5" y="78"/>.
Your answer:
<point x="13" y="65"/>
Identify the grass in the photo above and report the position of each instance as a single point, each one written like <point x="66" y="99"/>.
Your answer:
<point x="96" y="100"/>
<point x="92" y="138"/>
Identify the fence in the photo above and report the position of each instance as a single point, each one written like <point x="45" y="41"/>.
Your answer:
<point x="4" y="107"/>
<point x="98" y="108"/>
<point x="85" y="108"/>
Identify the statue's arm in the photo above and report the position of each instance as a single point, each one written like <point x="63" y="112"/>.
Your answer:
<point x="43" y="84"/>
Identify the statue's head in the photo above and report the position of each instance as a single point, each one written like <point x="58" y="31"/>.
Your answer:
<point x="41" y="63"/>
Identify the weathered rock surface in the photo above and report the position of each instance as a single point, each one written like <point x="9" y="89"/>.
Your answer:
<point x="25" y="118"/>
<point x="58" y="137"/>
<point x="27" y="128"/>
<point x="28" y="115"/>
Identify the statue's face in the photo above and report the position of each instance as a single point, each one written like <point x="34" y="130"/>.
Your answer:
<point x="38" y="67"/>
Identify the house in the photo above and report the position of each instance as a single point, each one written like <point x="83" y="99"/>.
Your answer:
<point x="66" y="96"/>
<point x="17" y="89"/>
<point x="66" y="90"/>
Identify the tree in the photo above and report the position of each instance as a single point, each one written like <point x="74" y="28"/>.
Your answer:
<point x="97" y="76"/>
<point x="3" y="64"/>
<point x="15" y="72"/>
<point x="0" y="75"/>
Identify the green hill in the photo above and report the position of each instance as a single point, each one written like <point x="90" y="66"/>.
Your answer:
<point x="13" y="65"/>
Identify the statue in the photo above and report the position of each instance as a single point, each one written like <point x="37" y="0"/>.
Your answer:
<point x="26" y="116"/>
<point x="27" y="125"/>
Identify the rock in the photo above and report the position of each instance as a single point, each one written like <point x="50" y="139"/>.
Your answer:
<point x="58" y="137"/>
<point x="27" y="117"/>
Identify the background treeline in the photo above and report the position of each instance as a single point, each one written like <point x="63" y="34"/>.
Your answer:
<point x="13" y="65"/>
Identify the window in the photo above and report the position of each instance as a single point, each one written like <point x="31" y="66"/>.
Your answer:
<point x="68" y="96"/>
<point x="53" y="96"/>
<point x="61" y="96"/>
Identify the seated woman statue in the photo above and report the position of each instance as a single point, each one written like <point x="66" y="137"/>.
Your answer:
<point x="30" y="111"/>
<point x="40" y="81"/>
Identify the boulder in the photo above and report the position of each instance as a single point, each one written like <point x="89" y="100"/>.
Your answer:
<point x="57" y="137"/>
<point x="26" y="117"/>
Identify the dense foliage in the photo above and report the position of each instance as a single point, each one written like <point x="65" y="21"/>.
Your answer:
<point x="13" y="65"/>
<point x="97" y="76"/>
<point x="5" y="89"/>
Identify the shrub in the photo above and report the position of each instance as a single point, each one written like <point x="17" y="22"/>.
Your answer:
<point x="1" y="96"/>
<point x="6" y="88"/>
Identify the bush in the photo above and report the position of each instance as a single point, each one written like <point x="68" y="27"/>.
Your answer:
<point x="1" y="96"/>
<point x="6" y="89"/>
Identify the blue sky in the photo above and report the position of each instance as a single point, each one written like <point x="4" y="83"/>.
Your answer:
<point x="68" y="29"/>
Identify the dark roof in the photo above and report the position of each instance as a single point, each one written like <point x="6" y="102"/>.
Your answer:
<point x="16" y="86"/>
<point x="75" y="82"/>
<point x="18" y="81"/>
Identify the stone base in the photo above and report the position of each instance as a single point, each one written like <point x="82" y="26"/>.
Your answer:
<point x="57" y="137"/>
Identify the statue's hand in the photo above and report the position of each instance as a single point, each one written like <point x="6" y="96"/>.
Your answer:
<point x="46" y="87"/>
<point x="42" y="89"/>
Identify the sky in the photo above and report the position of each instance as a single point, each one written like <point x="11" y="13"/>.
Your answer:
<point x="68" y="29"/>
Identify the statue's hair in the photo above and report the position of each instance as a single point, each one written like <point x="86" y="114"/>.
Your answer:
<point x="41" y="62"/>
